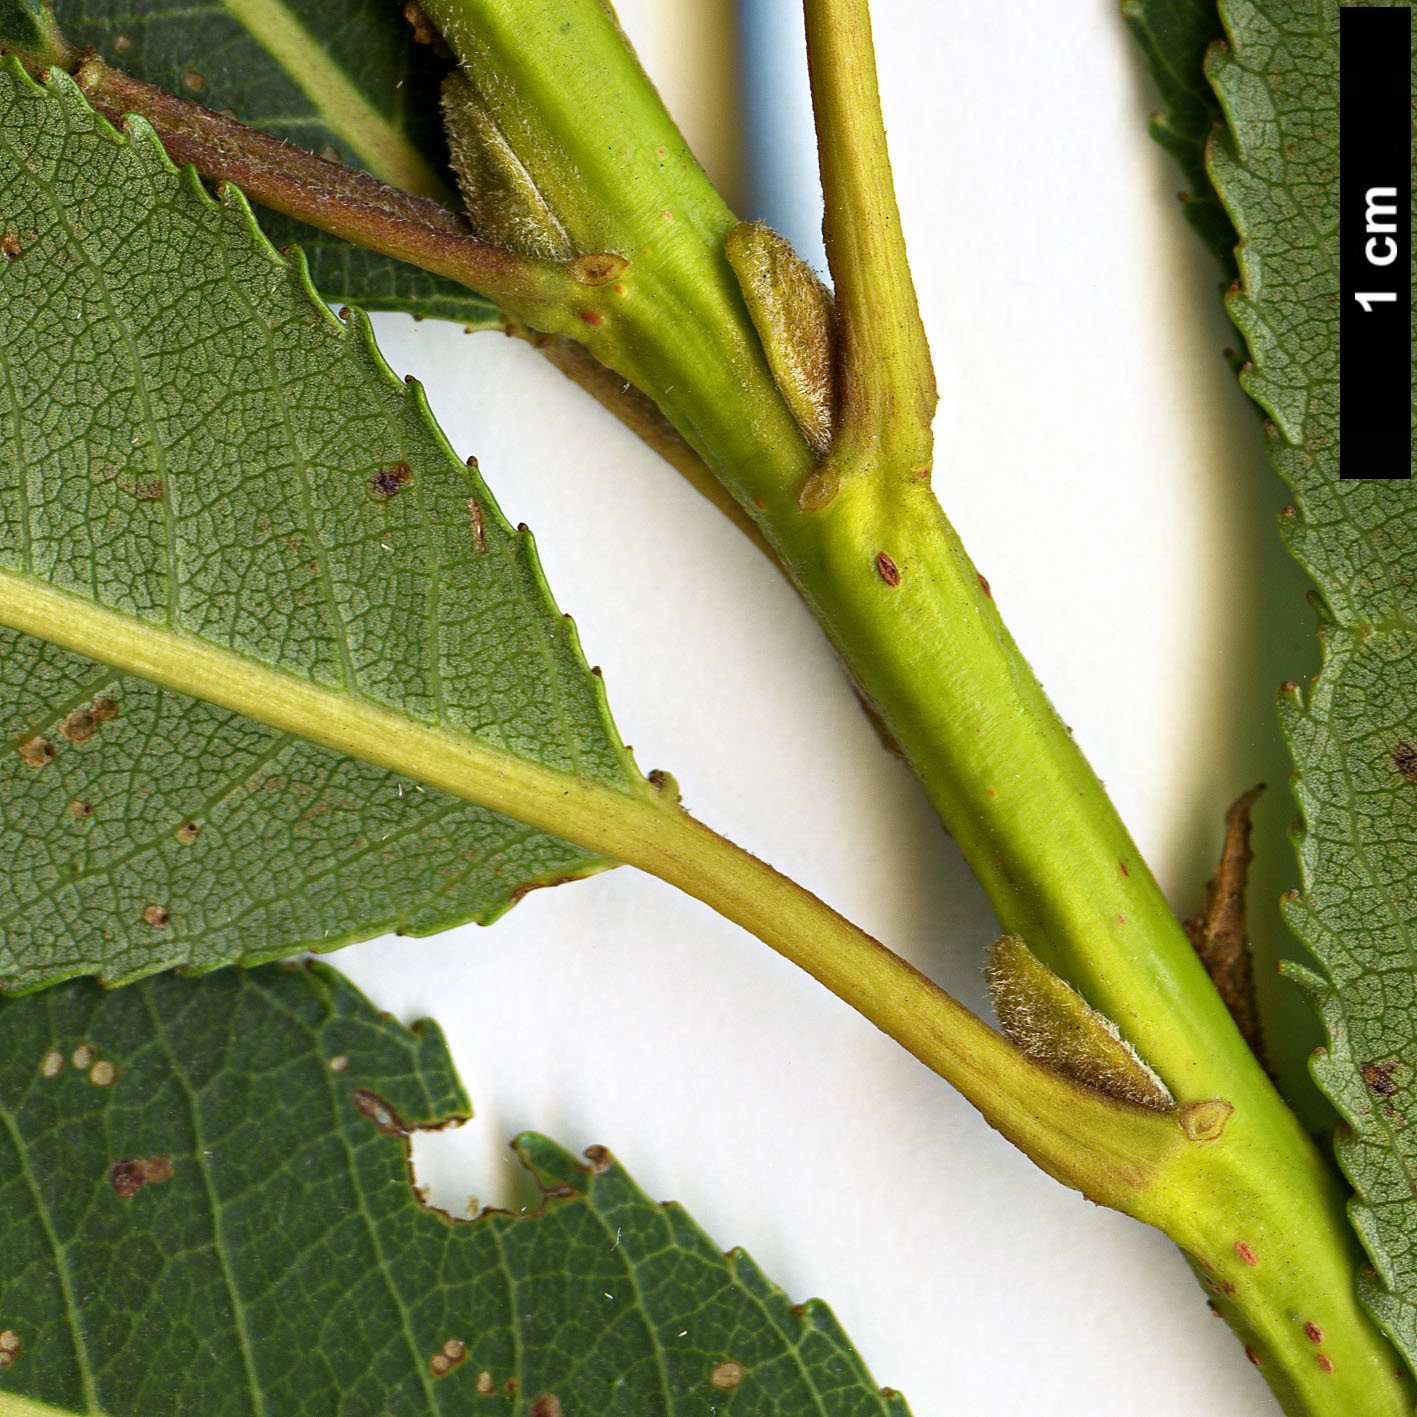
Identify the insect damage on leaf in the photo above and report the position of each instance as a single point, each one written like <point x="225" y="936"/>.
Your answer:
<point x="243" y="1189"/>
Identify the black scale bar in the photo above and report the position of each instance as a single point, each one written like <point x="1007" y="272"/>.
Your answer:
<point x="1375" y="242"/>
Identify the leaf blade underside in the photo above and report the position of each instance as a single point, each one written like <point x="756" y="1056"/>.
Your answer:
<point x="349" y="82"/>
<point x="219" y="1168"/>
<point x="1352" y="734"/>
<point x="1174" y="35"/>
<point x="200" y="466"/>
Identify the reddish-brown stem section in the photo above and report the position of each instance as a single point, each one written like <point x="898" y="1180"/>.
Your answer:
<point x="337" y="199"/>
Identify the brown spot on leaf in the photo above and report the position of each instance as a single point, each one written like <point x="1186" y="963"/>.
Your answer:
<point x="1378" y="1078"/>
<point x="82" y="1056"/>
<point x="52" y="1064"/>
<point x="10" y="1341"/>
<point x="485" y="1385"/>
<point x="592" y="317"/>
<point x="129" y="1177"/>
<point x="156" y="916"/>
<point x="10" y="245"/>
<point x="1253" y="1357"/>
<point x="188" y="831"/>
<point x="1325" y="1362"/>
<point x="727" y="1375"/>
<point x="984" y="585"/>
<point x="510" y="1387"/>
<point x="83" y="723"/>
<point x="193" y="81"/>
<point x="103" y="1073"/>
<point x="36" y="752"/>
<point x="339" y="1064"/>
<point x="448" y="1357"/>
<point x="887" y="569"/>
<point x="1313" y="1333"/>
<point x="1246" y="1253"/>
<point x="389" y="481"/>
<point x="81" y="811"/>
<point x="149" y="490"/>
<point x="547" y="1405"/>
<point x="474" y="512"/>
<point x="1404" y="759"/>
<point x="600" y="1160"/>
<point x="597" y="268"/>
<point x="370" y="1104"/>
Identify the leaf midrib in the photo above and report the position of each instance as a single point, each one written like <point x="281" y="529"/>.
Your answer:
<point x="591" y="814"/>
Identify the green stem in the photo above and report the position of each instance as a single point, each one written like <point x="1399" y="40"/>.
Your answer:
<point x="1254" y="1207"/>
<point x="885" y="377"/>
<point x="870" y="550"/>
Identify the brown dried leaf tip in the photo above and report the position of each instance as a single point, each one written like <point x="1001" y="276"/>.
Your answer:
<point x="129" y="1177"/>
<point x="424" y="31"/>
<point x="1217" y="932"/>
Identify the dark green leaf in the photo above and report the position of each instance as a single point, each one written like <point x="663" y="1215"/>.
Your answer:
<point x="202" y="467"/>
<point x="1354" y="736"/>
<point x="348" y="81"/>
<point x="206" y="1209"/>
<point x="1174" y="35"/>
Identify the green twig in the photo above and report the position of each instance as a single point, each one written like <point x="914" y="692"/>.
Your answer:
<point x="885" y="377"/>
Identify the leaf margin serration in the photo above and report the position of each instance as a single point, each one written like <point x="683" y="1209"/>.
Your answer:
<point x="1341" y="533"/>
<point x="356" y="331"/>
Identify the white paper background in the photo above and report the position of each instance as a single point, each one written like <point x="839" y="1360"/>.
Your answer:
<point x="1108" y="479"/>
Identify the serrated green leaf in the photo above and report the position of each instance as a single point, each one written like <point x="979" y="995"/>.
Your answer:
<point x="206" y="1211"/>
<point x="216" y="489"/>
<point x="351" y="83"/>
<point x="1174" y="36"/>
<point x="1353" y="738"/>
